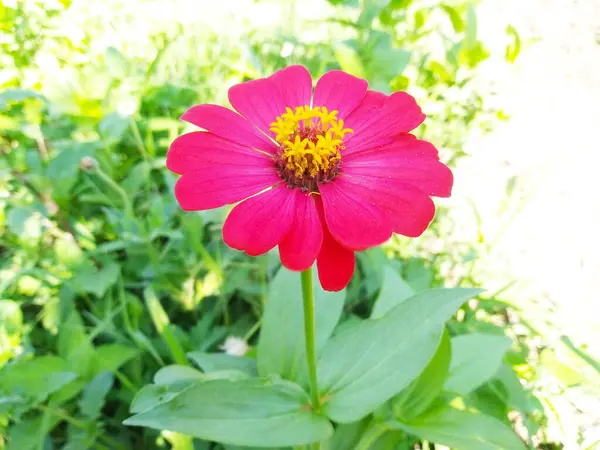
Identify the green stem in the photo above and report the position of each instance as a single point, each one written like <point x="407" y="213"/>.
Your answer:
<point x="308" y="299"/>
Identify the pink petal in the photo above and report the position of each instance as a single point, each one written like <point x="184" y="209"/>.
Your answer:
<point x="260" y="101"/>
<point x="300" y="247"/>
<point x="409" y="210"/>
<point x="353" y="221"/>
<point x="295" y="85"/>
<point x="261" y="222"/>
<point x="370" y="105"/>
<point x="339" y="91"/>
<point x="229" y="125"/>
<point x="201" y="149"/>
<point x="214" y="186"/>
<point x="406" y="160"/>
<point x="398" y="114"/>
<point x="335" y="264"/>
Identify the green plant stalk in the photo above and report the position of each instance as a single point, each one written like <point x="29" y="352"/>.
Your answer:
<point x="308" y="300"/>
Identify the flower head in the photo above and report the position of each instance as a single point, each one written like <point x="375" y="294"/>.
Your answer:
<point x="321" y="174"/>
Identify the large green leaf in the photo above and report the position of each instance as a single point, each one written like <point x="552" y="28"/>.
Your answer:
<point x="475" y="359"/>
<point x="393" y="292"/>
<point x="36" y="378"/>
<point x="92" y="400"/>
<point x="244" y="412"/>
<point x="464" y="430"/>
<point x="212" y="362"/>
<point x="364" y="366"/>
<point x="420" y="394"/>
<point x="281" y="348"/>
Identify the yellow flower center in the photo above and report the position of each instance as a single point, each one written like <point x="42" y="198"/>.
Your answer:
<point x="310" y="141"/>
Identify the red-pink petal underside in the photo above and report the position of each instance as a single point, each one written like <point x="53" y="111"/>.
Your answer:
<point x="215" y="186"/>
<point x="398" y="114"/>
<point x="407" y="161"/>
<point x="353" y="221"/>
<point x="300" y="247"/>
<point x="409" y="210"/>
<point x="339" y="91"/>
<point x="260" y="101"/>
<point x="229" y="125"/>
<point x="201" y="149"/>
<point x="335" y="263"/>
<point x="260" y="223"/>
<point x="295" y="85"/>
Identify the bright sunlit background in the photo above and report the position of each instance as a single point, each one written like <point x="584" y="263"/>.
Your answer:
<point x="510" y="88"/>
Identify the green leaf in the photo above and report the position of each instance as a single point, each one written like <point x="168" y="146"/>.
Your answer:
<point x="160" y="319"/>
<point x="457" y="22"/>
<point x="393" y="292"/>
<point x="281" y="349"/>
<point x="421" y="393"/>
<point x="475" y="359"/>
<point x="74" y="345"/>
<point x="18" y="95"/>
<point x="213" y="362"/>
<point x="347" y="435"/>
<point x="349" y="60"/>
<point x="388" y="62"/>
<point x="112" y="356"/>
<point x="27" y="434"/>
<point x="11" y="317"/>
<point x="66" y="163"/>
<point x="36" y="378"/>
<point x="113" y="126"/>
<point x="462" y="429"/>
<point x="92" y="400"/>
<point x="470" y="40"/>
<point x="369" y="10"/>
<point x="364" y="366"/>
<point x="244" y="412"/>
<point x="514" y="48"/>
<point x="174" y="373"/>
<point x="96" y="281"/>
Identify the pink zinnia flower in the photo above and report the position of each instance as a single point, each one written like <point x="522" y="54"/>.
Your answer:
<point x="321" y="174"/>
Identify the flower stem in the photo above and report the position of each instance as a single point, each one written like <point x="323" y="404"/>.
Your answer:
<point x="308" y="299"/>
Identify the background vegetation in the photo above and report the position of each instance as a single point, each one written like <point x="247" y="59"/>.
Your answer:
<point x="104" y="281"/>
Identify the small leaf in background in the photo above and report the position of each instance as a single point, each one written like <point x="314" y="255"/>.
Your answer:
<point x="475" y="359"/>
<point x="457" y="22"/>
<point x="25" y="223"/>
<point x="364" y="366"/>
<point x="113" y="126"/>
<point x="160" y="319"/>
<point x="244" y="412"/>
<point x="116" y="63"/>
<point x="213" y="362"/>
<point x="96" y="281"/>
<point x="29" y="433"/>
<point x="462" y="429"/>
<point x="471" y="27"/>
<point x="281" y="349"/>
<point x="347" y="435"/>
<point x="67" y="251"/>
<point x="74" y="345"/>
<point x="393" y="292"/>
<point x="37" y="377"/>
<point x="67" y="163"/>
<point x="174" y="374"/>
<point x="349" y="60"/>
<point x="514" y="48"/>
<point x="112" y="356"/>
<point x="94" y="394"/>
<point x="370" y="9"/>
<point x="417" y="274"/>
<point x="421" y="393"/>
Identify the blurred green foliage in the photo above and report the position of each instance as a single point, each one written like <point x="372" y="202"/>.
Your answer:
<point x="104" y="280"/>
